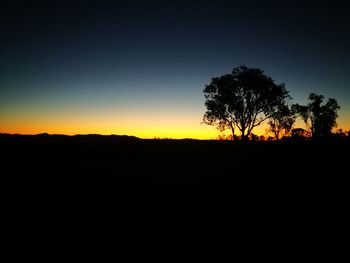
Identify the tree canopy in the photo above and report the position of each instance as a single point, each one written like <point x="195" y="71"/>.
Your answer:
<point x="281" y="122"/>
<point x="319" y="118"/>
<point x="243" y="99"/>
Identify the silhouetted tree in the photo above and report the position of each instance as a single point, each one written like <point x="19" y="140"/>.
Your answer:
<point x="299" y="133"/>
<point x="281" y="122"/>
<point x="253" y="137"/>
<point x="223" y="137"/>
<point x="340" y="133"/>
<point x="243" y="99"/>
<point x="319" y="119"/>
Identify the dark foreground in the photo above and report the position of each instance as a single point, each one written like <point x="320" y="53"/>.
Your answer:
<point x="109" y="164"/>
<point x="275" y="200"/>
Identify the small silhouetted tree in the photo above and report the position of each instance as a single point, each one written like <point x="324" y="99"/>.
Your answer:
<point x="243" y="99"/>
<point x="319" y="118"/>
<point x="340" y="133"/>
<point x="299" y="133"/>
<point x="281" y="122"/>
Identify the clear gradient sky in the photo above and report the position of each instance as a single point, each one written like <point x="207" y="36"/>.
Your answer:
<point x="139" y="67"/>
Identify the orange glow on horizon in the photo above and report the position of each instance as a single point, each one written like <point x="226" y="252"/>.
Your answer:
<point x="159" y="126"/>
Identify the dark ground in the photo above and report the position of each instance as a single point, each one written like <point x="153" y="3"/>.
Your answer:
<point x="263" y="199"/>
<point x="109" y="164"/>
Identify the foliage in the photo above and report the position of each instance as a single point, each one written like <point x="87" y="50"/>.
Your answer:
<point x="300" y="133"/>
<point x="282" y="121"/>
<point x="243" y="99"/>
<point x="319" y="118"/>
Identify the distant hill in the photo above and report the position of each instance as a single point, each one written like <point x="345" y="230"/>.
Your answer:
<point x="82" y="136"/>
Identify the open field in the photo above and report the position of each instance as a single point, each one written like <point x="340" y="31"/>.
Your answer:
<point x="88" y="164"/>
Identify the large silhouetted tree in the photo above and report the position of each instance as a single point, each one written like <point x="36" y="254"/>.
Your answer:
<point x="319" y="118"/>
<point x="243" y="99"/>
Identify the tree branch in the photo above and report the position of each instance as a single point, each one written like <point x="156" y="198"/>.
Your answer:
<point x="261" y="121"/>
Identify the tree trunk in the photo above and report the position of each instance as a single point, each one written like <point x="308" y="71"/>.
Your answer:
<point x="244" y="137"/>
<point x="233" y="131"/>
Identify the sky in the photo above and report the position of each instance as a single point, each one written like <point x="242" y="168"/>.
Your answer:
<point x="139" y="67"/>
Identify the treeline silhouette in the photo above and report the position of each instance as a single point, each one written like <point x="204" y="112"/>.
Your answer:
<point x="296" y="134"/>
<point x="247" y="97"/>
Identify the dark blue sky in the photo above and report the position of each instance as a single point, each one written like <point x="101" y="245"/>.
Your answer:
<point x="156" y="56"/>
